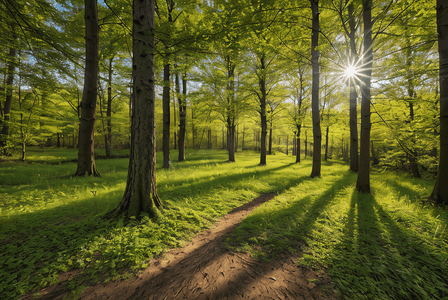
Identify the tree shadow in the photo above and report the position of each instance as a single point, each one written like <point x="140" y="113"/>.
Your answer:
<point x="210" y="271"/>
<point x="379" y="259"/>
<point x="291" y="237"/>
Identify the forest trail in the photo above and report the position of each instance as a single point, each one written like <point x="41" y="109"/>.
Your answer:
<point x="206" y="269"/>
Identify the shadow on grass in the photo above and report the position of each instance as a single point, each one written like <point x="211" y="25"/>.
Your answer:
<point x="280" y="231"/>
<point x="378" y="259"/>
<point x="205" y="186"/>
<point x="59" y="233"/>
<point x="284" y="230"/>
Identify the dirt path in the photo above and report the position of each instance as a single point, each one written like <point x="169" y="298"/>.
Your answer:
<point x="206" y="269"/>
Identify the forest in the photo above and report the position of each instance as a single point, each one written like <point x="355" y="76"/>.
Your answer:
<point x="131" y="129"/>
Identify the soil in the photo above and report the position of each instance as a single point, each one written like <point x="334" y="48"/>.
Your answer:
<point x="206" y="269"/>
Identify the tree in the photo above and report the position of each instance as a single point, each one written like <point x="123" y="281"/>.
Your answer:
<point x="350" y="32"/>
<point x="9" y="88"/>
<point x="86" y="147"/>
<point x="440" y="192"/>
<point x="363" y="180"/>
<point x="299" y="109"/>
<point x="317" y="134"/>
<point x="141" y="194"/>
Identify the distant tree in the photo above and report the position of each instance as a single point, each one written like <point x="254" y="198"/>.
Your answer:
<point x="440" y="192"/>
<point x="141" y="194"/>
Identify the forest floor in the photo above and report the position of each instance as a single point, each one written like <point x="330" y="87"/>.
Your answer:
<point x="206" y="269"/>
<point x="231" y="231"/>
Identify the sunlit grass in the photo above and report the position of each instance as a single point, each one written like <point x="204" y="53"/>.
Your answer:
<point x="385" y="246"/>
<point x="380" y="246"/>
<point x="51" y="222"/>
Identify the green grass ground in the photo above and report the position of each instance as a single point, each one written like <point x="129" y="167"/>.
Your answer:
<point x="380" y="246"/>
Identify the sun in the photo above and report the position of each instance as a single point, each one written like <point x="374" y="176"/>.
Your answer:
<point x="350" y="71"/>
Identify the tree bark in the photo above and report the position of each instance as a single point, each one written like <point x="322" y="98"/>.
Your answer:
<point x="354" y="158"/>
<point x="270" y="140"/>
<point x="317" y="134"/>
<point x="299" y="127"/>
<point x="262" y="84"/>
<point x="230" y="65"/>
<point x="363" y="180"/>
<point x="109" y="112"/>
<point x="141" y="193"/>
<point x="86" y="144"/>
<point x="175" y="141"/>
<point x="182" y="101"/>
<point x="440" y="192"/>
<point x="326" y="143"/>
<point x="166" y="114"/>
<point x="9" y="88"/>
<point x="306" y="144"/>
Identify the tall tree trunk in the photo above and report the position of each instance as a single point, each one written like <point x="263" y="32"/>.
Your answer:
<point x="166" y="113"/>
<point x="109" y="111"/>
<point x="9" y="88"/>
<point x="182" y="101"/>
<point x="412" y="155"/>
<point x="141" y="193"/>
<point x="354" y="158"/>
<point x="230" y="108"/>
<point x="262" y="84"/>
<point x="413" y="152"/>
<point x="326" y="143"/>
<point x="270" y="140"/>
<point x="242" y="142"/>
<point x="306" y="144"/>
<point x="175" y="112"/>
<point x="299" y="127"/>
<point x="363" y="180"/>
<point x="317" y="134"/>
<point x="440" y="192"/>
<point x="86" y="144"/>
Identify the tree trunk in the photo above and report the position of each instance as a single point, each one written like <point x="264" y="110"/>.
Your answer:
<point x="109" y="112"/>
<point x="166" y="113"/>
<point x="287" y="145"/>
<point x="440" y="192"/>
<point x="86" y="147"/>
<point x="326" y="143"/>
<point x="354" y="159"/>
<point x="317" y="134"/>
<point x="372" y="151"/>
<point x="141" y="193"/>
<point x="175" y="141"/>
<point x="363" y="180"/>
<point x="413" y="153"/>
<point x="299" y="127"/>
<point x="209" y="138"/>
<point x="8" y="99"/>
<point x="306" y="144"/>
<point x="182" y="101"/>
<point x="262" y="83"/>
<point x="353" y="129"/>
<point x="230" y="108"/>
<point x="270" y="140"/>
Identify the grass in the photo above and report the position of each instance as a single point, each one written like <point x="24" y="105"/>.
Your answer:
<point x="380" y="246"/>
